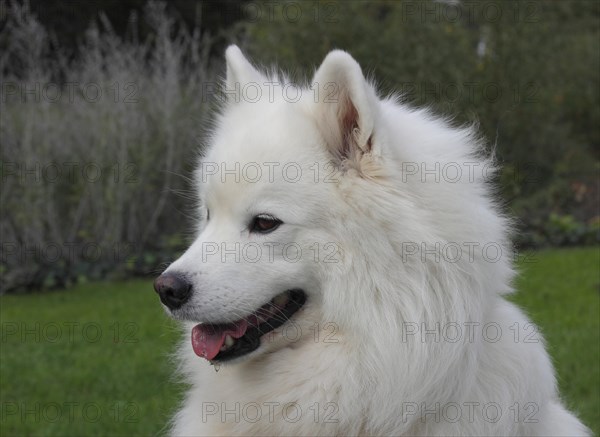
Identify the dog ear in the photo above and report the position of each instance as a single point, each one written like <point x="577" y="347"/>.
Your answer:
<point x="345" y="105"/>
<point x="240" y="71"/>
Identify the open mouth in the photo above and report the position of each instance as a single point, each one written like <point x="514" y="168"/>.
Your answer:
<point x="223" y="342"/>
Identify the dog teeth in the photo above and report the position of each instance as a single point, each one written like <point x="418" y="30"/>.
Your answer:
<point x="227" y="344"/>
<point x="281" y="300"/>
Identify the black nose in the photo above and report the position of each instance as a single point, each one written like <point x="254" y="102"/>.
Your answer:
<point x="173" y="289"/>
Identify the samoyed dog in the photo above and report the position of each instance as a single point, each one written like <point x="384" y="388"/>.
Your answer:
<point x="348" y="273"/>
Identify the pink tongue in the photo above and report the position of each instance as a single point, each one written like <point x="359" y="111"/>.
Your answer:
<point x="207" y="339"/>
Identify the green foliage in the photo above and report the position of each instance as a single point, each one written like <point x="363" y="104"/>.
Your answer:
<point x="566" y="228"/>
<point x="526" y="72"/>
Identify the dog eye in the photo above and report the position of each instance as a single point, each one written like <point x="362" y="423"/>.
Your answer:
<point x="264" y="224"/>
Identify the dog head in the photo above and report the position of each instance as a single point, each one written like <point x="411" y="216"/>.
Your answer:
<point x="318" y="202"/>
<point x="271" y="197"/>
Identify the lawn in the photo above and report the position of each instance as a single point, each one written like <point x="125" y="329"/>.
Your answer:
<point x="93" y="360"/>
<point x="560" y="290"/>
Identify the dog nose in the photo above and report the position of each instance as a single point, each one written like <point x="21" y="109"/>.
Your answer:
<point x="173" y="290"/>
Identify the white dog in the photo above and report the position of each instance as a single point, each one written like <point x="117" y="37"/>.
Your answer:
<point x="348" y="273"/>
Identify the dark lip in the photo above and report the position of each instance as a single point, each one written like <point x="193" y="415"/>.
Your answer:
<point x="250" y="341"/>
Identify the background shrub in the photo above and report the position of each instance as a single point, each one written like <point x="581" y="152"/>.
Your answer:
<point x="94" y="147"/>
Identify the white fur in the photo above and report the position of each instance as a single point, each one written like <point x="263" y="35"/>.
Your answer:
<point x="370" y="374"/>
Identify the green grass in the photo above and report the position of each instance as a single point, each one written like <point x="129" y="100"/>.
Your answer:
<point x="110" y="360"/>
<point x="111" y="355"/>
<point x="560" y="290"/>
